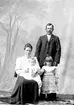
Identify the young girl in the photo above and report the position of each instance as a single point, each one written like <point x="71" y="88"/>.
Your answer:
<point x="49" y="84"/>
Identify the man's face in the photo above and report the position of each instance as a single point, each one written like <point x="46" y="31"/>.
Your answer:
<point x="49" y="29"/>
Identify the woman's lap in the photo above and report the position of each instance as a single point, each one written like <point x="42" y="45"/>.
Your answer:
<point x="25" y="91"/>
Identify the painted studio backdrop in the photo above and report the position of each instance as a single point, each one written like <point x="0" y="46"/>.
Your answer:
<point x="23" y="21"/>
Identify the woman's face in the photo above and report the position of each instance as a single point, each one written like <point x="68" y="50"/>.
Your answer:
<point x="28" y="51"/>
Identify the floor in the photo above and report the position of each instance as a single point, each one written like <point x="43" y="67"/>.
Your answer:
<point x="46" y="103"/>
<point x="61" y="99"/>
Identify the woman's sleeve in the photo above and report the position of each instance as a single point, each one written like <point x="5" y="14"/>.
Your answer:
<point x="18" y="66"/>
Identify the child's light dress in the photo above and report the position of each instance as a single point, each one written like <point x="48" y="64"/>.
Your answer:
<point x="49" y="83"/>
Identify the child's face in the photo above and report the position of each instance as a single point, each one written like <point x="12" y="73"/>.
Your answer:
<point x="48" y="63"/>
<point x="33" y="62"/>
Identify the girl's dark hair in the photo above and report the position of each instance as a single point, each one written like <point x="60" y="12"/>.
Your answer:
<point x="48" y="59"/>
<point x="28" y="45"/>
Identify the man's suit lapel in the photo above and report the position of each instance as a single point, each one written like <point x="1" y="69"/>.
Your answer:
<point x="51" y="38"/>
<point x="48" y="44"/>
<point x="46" y="39"/>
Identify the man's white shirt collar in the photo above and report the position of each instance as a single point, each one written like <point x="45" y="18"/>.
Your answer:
<point x="48" y="36"/>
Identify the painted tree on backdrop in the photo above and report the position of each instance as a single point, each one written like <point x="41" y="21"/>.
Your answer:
<point x="10" y="46"/>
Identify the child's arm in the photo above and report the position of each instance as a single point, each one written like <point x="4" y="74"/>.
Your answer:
<point x="54" y="70"/>
<point x="40" y="72"/>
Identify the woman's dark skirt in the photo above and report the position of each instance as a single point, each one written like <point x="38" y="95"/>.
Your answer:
<point x="25" y="91"/>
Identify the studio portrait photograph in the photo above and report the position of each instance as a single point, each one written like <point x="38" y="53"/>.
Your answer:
<point x="37" y="52"/>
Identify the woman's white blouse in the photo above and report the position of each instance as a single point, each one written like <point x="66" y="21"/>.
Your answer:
<point x="23" y="67"/>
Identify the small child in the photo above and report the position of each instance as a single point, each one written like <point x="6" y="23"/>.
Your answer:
<point x="33" y="68"/>
<point x="49" y="84"/>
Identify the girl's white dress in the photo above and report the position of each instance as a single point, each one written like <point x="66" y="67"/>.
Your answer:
<point x="49" y="83"/>
<point x="24" y="68"/>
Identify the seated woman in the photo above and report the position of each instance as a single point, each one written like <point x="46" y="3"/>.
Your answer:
<point x="49" y="84"/>
<point x="28" y="83"/>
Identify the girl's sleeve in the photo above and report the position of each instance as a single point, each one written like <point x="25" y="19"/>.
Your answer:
<point x="18" y="66"/>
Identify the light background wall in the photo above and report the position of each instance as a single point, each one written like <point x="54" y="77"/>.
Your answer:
<point x="35" y="14"/>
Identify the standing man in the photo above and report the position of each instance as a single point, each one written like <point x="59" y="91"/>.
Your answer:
<point x="48" y="45"/>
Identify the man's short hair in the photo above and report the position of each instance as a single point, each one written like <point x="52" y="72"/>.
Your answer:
<point x="49" y="24"/>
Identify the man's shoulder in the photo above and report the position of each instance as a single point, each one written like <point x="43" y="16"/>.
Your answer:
<point x="55" y="36"/>
<point x="43" y="36"/>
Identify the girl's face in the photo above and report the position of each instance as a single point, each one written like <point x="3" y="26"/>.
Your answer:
<point x="48" y="63"/>
<point x="28" y="51"/>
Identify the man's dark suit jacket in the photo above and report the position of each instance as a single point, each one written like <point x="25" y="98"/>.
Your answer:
<point x="53" y="50"/>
